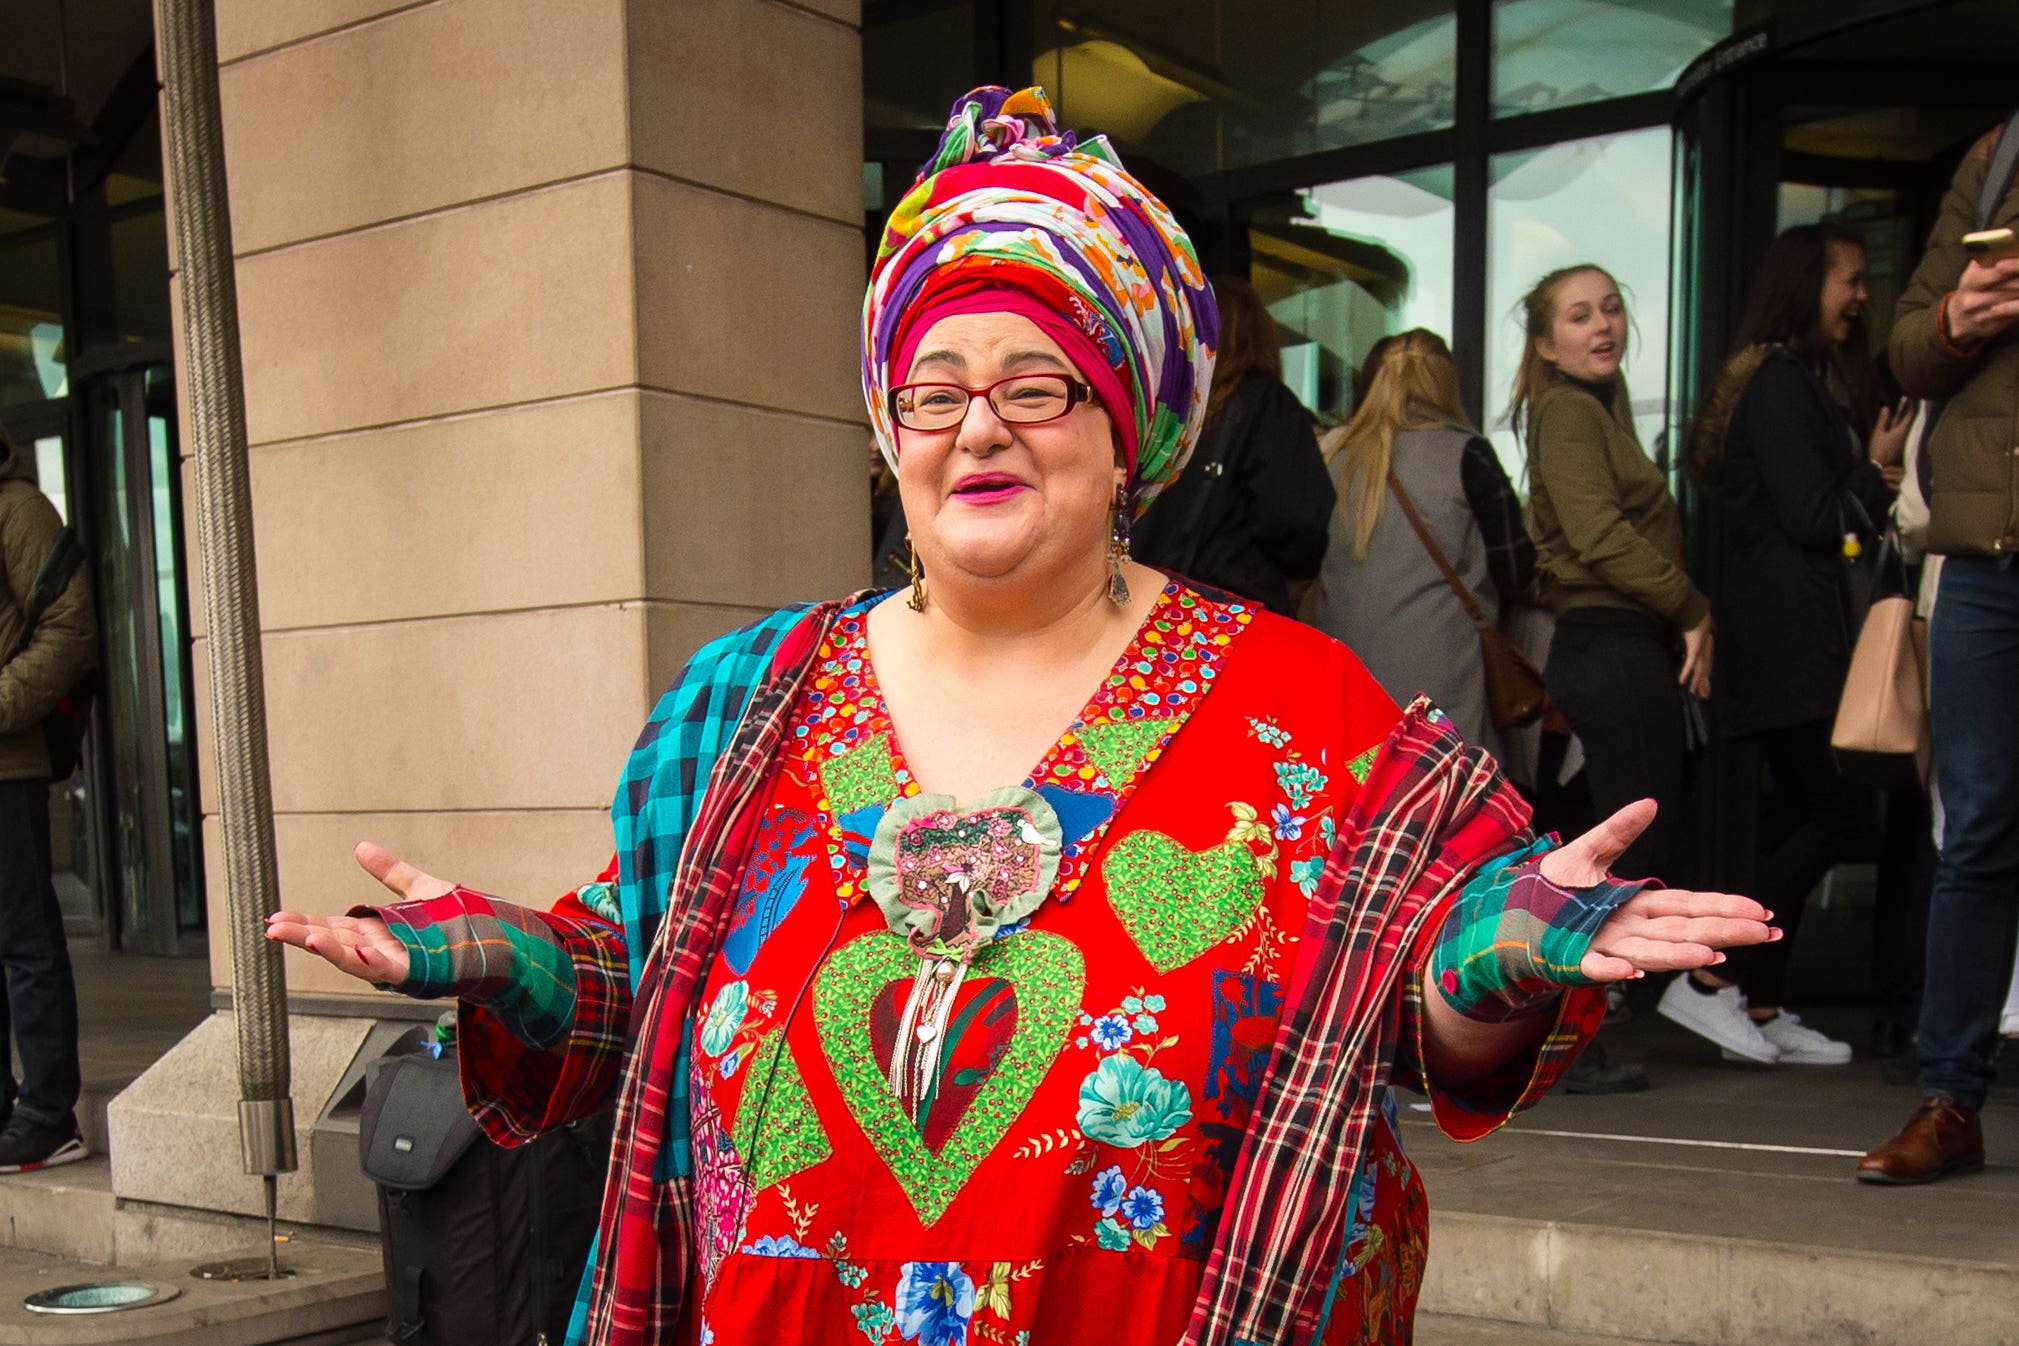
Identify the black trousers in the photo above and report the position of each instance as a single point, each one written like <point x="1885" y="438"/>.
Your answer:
<point x="1613" y="675"/>
<point x="1818" y="819"/>
<point x="40" y="1004"/>
<point x="1900" y="909"/>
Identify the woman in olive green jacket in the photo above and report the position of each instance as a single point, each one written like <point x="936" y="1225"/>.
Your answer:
<point x="1608" y="540"/>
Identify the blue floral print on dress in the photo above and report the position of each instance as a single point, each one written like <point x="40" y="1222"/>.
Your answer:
<point x="1109" y="1184"/>
<point x="1142" y="1208"/>
<point x="934" y="1302"/>
<point x="1110" y="1032"/>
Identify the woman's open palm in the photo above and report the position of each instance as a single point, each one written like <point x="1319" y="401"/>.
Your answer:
<point x="361" y="945"/>
<point x="1657" y="929"/>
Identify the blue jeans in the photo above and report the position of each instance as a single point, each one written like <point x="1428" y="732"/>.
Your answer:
<point x="41" y="998"/>
<point x="1973" y="915"/>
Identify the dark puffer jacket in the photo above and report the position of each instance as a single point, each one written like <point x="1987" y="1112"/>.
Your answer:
<point x="64" y="646"/>
<point x="1783" y="622"/>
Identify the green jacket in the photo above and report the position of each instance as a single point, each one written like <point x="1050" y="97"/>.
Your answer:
<point x="1974" y="509"/>
<point x="1607" y="531"/>
<point x="65" y="643"/>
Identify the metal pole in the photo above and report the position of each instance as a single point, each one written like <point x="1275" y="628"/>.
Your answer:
<point x="214" y="385"/>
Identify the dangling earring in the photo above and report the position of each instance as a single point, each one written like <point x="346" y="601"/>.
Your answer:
<point x="1118" y="553"/>
<point x="917" y="600"/>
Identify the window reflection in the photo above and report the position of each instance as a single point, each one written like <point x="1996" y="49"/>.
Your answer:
<point x="1559" y="53"/>
<point x="1603" y="200"/>
<point x="1344" y="264"/>
<point x="1200" y="88"/>
<point x="31" y="313"/>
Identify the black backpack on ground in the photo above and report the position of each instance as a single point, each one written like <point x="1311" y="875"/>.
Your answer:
<point x="483" y="1246"/>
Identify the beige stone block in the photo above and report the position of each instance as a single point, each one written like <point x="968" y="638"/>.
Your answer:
<point x="1677" y="1284"/>
<point x="1794" y="1296"/>
<point x="783" y="89"/>
<point x="521" y="507"/>
<point x="516" y="300"/>
<point x="175" y="1129"/>
<point x="675" y="630"/>
<point x="247" y="26"/>
<point x="529" y="857"/>
<point x="747" y="302"/>
<point x="520" y="710"/>
<point x="1485" y="1266"/>
<point x="752" y="508"/>
<point x="450" y="102"/>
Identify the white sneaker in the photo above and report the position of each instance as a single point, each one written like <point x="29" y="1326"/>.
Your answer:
<point x="1802" y="1045"/>
<point x="1720" y="1017"/>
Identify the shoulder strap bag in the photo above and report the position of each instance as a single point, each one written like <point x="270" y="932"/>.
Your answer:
<point x="1514" y="691"/>
<point x="1882" y="735"/>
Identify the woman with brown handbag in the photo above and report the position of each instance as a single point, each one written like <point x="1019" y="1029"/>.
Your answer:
<point x="1401" y="586"/>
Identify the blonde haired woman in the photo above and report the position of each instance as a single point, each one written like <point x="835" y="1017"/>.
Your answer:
<point x="1379" y="591"/>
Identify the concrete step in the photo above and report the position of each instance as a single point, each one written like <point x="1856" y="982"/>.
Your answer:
<point x="336" y="1295"/>
<point x="71" y="1212"/>
<point x="1438" y="1329"/>
<point x="1720" y="1209"/>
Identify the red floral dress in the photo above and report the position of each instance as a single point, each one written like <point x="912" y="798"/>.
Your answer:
<point x="1050" y="1162"/>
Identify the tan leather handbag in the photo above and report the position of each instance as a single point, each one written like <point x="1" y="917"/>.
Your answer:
<point x="1882" y="734"/>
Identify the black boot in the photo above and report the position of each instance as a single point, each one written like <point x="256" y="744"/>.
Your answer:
<point x="1594" y="1073"/>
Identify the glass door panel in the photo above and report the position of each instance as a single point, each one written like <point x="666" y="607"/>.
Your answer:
<point x="151" y="805"/>
<point x="1344" y="264"/>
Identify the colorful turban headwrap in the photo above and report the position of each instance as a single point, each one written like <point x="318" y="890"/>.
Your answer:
<point x="1011" y="203"/>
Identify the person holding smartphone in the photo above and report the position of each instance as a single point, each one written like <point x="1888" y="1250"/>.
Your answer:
<point x="1954" y="338"/>
<point x="1795" y="444"/>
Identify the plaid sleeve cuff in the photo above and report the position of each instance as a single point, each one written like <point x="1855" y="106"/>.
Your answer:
<point x="1514" y="940"/>
<point x="487" y="952"/>
<point x="1485" y="1104"/>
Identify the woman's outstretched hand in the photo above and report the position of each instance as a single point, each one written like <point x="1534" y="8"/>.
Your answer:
<point x="1657" y="929"/>
<point x="361" y="945"/>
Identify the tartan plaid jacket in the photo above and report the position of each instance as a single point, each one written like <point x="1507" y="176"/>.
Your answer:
<point x="562" y="1009"/>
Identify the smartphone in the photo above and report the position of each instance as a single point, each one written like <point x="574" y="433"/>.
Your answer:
<point x="1991" y="245"/>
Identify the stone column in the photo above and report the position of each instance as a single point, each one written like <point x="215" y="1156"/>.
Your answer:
<point x="550" y="338"/>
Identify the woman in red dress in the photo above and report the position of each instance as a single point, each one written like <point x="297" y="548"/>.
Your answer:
<point x="1026" y="958"/>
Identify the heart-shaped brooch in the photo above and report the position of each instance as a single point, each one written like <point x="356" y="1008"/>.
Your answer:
<point x="948" y="876"/>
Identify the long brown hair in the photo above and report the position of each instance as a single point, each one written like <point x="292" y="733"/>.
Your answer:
<point x="1538" y="318"/>
<point x="1413" y="386"/>
<point x="1247" y="342"/>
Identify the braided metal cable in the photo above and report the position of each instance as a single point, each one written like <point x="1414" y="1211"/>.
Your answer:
<point x="213" y="387"/>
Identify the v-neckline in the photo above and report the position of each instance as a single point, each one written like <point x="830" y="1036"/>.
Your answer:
<point x="856" y="767"/>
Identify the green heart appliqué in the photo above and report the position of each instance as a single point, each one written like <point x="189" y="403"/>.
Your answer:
<point x="1176" y="903"/>
<point x="1047" y="974"/>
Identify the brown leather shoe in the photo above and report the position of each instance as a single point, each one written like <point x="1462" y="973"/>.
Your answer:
<point x="1941" y="1137"/>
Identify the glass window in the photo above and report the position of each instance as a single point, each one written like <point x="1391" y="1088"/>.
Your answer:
<point x="1604" y="200"/>
<point x="1344" y="264"/>
<point x="916" y="59"/>
<point x="31" y="313"/>
<point x="1559" y="53"/>
<point x="1198" y="88"/>
<point x="1393" y="75"/>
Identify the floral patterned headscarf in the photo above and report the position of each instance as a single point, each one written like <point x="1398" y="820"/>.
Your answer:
<point x="1010" y="201"/>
